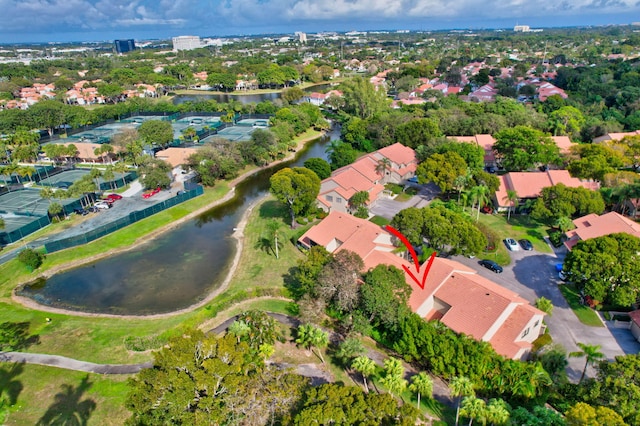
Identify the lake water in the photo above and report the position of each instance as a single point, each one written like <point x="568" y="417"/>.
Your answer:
<point x="170" y="272"/>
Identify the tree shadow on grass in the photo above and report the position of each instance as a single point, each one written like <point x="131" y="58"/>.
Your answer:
<point x="273" y="209"/>
<point x="68" y="407"/>
<point x="10" y="388"/>
<point x="14" y="336"/>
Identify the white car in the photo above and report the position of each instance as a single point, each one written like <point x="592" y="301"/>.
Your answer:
<point x="102" y="205"/>
<point x="512" y="244"/>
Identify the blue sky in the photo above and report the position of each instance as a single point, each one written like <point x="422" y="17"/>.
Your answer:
<point x="93" y="20"/>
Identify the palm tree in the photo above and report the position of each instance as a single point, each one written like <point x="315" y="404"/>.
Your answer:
<point x="480" y="197"/>
<point x="460" y="386"/>
<point x="393" y="376"/>
<point x="512" y="198"/>
<point x="121" y="167"/>
<point x="239" y="329"/>
<point x="497" y="412"/>
<point x="591" y="353"/>
<point x="383" y="165"/>
<point x="272" y="228"/>
<point x="421" y="384"/>
<point x="310" y="336"/>
<point x="475" y="409"/>
<point x="364" y="366"/>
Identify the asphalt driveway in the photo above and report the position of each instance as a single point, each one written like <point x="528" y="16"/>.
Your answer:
<point x="388" y="207"/>
<point x="532" y="274"/>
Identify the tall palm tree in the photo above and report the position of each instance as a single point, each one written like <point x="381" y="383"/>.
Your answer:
<point x="460" y="386"/>
<point x="480" y="197"/>
<point x="497" y="412"/>
<point x="272" y="228"/>
<point x="311" y="336"/>
<point x="421" y="384"/>
<point x="475" y="409"/>
<point x="364" y="366"/>
<point x="512" y="198"/>
<point x="591" y="353"/>
<point x="383" y="165"/>
<point x="393" y="376"/>
<point x="121" y="167"/>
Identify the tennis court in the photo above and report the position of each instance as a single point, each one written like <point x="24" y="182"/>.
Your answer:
<point x="139" y="119"/>
<point x="65" y="179"/>
<point x="253" y="122"/>
<point x="102" y="134"/>
<point x="28" y="202"/>
<point x="234" y="133"/>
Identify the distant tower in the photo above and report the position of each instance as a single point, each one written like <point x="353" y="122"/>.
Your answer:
<point x="124" y="46"/>
<point x="302" y="37"/>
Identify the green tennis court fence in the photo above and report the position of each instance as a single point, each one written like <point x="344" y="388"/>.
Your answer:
<point x="23" y="231"/>
<point x="122" y="222"/>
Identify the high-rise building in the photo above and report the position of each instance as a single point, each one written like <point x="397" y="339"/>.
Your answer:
<point x="124" y="46"/>
<point x="186" y="43"/>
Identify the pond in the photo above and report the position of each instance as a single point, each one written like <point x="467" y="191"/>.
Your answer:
<point x="170" y="272"/>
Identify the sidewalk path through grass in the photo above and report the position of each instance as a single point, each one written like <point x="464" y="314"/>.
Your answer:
<point x="72" y="364"/>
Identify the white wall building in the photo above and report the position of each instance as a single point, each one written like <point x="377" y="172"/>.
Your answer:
<point x="186" y="43"/>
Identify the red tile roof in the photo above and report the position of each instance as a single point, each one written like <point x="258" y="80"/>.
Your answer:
<point x="473" y="304"/>
<point x="593" y="226"/>
<point x="530" y="184"/>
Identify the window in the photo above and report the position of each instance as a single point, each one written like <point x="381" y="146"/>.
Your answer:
<point x="536" y="324"/>
<point x="525" y="332"/>
<point x="338" y="200"/>
<point x="330" y="198"/>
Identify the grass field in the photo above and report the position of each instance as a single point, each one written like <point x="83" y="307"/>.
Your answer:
<point x="585" y="314"/>
<point x="518" y="227"/>
<point x="58" y="397"/>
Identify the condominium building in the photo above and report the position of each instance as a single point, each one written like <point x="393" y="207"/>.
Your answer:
<point x="186" y="43"/>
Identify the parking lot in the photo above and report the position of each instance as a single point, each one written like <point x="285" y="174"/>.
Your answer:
<point x="532" y="274"/>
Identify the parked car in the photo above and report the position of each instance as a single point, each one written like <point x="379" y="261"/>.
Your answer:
<point x="511" y="244"/>
<point x="491" y="265"/>
<point x="81" y="211"/>
<point x="151" y="193"/>
<point x="525" y="244"/>
<point x="561" y="273"/>
<point x="113" y="197"/>
<point x="102" y="205"/>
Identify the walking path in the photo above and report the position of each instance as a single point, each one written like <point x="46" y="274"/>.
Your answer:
<point x="72" y="364"/>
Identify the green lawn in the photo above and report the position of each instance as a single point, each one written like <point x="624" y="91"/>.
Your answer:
<point x="65" y="395"/>
<point x="519" y="226"/>
<point x="585" y="314"/>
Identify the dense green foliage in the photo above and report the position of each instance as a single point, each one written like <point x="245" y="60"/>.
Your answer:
<point x="607" y="268"/>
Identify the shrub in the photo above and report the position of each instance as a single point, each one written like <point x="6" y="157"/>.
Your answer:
<point x="31" y="259"/>
<point x="556" y="238"/>
<point x="542" y="341"/>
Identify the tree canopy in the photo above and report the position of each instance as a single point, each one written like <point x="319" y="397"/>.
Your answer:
<point x="607" y="268"/>
<point x="523" y="147"/>
<point x="297" y="187"/>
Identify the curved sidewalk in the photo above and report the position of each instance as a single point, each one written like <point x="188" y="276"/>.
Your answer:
<point x="72" y="364"/>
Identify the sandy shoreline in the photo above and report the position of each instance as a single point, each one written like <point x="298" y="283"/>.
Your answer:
<point x="238" y="235"/>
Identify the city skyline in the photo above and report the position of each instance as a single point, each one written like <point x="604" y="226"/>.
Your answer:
<point x="98" y="20"/>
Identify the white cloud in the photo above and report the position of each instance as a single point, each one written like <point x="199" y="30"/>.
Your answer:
<point x="23" y="17"/>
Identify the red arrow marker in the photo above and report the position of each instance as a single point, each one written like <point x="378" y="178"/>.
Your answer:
<point x="414" y="256"/>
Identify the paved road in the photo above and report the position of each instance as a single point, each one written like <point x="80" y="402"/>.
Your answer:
<point x="532" y="274"/>
<point x="72" y="364"/>
<point x="388" y="207"/>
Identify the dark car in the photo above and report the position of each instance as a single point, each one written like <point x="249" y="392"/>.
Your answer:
<point x="491" y="265"/>
<point x="526" y="244"/>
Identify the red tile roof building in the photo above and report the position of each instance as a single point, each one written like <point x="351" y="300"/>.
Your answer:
<point x="593" y="226"/>
<point x="530" y="184"/>
<point x="454" y="294"/>
<point x="176" y="156"/>
<point x="336" y="190"/>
